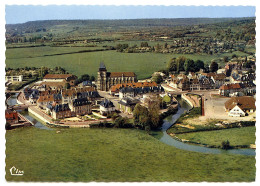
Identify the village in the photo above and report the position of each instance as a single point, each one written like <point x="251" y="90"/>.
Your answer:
<point x="228" y="93"/>
<point x="130" y="93"/>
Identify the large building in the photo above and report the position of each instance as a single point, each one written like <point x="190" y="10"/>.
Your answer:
<point x="107" y="79"/>
<point x="60" y="78"/>
<point x="240" y="106"/>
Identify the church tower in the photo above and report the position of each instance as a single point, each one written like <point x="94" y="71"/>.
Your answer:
<point x="102" y="77"/>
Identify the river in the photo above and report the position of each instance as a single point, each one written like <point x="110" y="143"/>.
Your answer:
<point x="37" y="123"/>
<point x="160" y="135"/>
<point x="167" y="139"/>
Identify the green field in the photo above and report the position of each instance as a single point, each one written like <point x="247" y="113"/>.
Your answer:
<point x="143" y="64"/>
<point x="114" y="155"/>
<point x="236" y="136"/>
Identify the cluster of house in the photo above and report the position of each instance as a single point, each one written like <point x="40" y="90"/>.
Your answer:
<point x="239" y="82"/>
<point x="62" y="103"/>
<point x="129" y="95"/>
<point x="51" y="96"/>
<point x="132" y="93"/>
<point x="125" y="86"/>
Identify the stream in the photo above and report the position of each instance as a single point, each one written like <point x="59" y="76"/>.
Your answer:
<point x="160" y="135"/>
<point x="37" y="123"/>
<point x="167" y="139"/>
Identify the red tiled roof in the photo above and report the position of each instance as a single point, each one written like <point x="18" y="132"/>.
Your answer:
<point x="57" y="76"/>
<point x="120" y="74"/>
<point x="219" y="76"/>
<point x="54" y="84"/>
<point x="244" y="102"/>
<point x="133" y="85"/>
<point x="47" y="98"/>
<point x="230" y="86"/>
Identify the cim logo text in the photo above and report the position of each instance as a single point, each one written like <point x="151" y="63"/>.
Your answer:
<point x="16" y="172"/>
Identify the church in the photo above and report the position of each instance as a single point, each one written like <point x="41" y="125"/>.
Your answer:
<point x="107" y="79"/>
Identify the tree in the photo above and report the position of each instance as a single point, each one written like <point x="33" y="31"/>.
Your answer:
<point x="189" y="65"/>
<point x="180" y="63"/>
<point x="141" y="116"/>
<point x="172" y="65"/>
<point x="157" y="78"/>
<point x="198" y="64"/>
<point x="85" y="77"/>
<point x="234" y="56"/>
<point x="92" y="78"/>
<point x="153" y="109"/>
<point x="167" y="99"/>
<point x="144" y="44"/>
<point x="225" y="59"/>
<point x="225" y="145"/>
<point x="213" y="66"/>
<point x="122" y="122"/>
<point x="67" y="86"/>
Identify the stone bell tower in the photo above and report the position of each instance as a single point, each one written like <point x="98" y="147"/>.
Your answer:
<point x="102" y="77"/>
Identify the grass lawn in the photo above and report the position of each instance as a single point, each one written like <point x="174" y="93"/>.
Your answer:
<point x="114" y="155"/>
<point x="236" y="136"/>
<point x="143" y="64"/>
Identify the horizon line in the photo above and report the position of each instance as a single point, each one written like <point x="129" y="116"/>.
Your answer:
<point x="131" y="19"/>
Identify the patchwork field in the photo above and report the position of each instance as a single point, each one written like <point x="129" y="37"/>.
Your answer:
<point x="143" y="64"/>
<point x="114" y="155"/>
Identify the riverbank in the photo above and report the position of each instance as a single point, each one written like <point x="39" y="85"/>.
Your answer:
<point x="243" y="137"/>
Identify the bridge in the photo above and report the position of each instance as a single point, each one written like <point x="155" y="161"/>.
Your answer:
<point x="18" y="107"/>
<point x="12" y="91"/>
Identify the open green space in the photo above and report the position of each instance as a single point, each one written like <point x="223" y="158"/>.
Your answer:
<point x="236" y="136"/>
<point x="143" y="64"/>
<point x="114" y="155"/>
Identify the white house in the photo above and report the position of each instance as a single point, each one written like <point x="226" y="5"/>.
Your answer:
<point x="14" y="78"/>
<point x="107" y="107"/>
<point x="240" y="106"/>
<point x="236" y="112"/>
<point x="126" y="92"/>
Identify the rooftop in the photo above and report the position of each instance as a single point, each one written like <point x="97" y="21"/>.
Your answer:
<point x="57" y="76"/>
<point x="244" y="102"/>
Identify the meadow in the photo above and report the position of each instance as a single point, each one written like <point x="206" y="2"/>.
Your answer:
<point x="143" y="64"/>
<point x="236" y="136"/>
<point x="119" y="155"/>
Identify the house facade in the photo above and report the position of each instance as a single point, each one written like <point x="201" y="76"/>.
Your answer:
<point x="127" y="105"/>
<point x="240" y="106"/>
<point x="61" y="111"/>
<point x="80" y="106"/>
<point x="107" y="107"/>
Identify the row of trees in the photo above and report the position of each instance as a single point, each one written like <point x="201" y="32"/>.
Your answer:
<point x="188" y="65"/>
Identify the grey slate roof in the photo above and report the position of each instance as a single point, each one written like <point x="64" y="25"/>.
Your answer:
<point x="61" y="107"/>
<point x="80" y="102"/>
<point x="102" y="66"/>
<point x="107" y="103"/>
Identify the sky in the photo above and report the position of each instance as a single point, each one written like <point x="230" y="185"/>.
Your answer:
<point x="23" y="13"/>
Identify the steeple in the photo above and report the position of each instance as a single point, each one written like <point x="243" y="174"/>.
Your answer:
<point x="102" y="67"/>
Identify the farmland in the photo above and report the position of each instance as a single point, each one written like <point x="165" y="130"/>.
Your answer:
<point x="80" y="45"/>
<point x="114" y="155"/>
<point x="143" y="64"/>
<point x="236" y="136"/>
